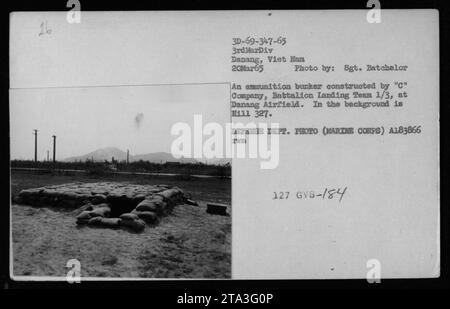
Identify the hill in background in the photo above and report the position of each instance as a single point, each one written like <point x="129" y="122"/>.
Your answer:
<point x="108" y="153"/>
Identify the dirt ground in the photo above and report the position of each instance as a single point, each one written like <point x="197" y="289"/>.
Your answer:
<point x="189" y="243"/>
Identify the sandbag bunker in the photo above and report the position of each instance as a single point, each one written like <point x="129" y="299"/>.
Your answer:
<point x="108" y="204"/>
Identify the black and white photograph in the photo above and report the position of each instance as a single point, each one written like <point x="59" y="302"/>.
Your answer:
<point x="93" y="179"/>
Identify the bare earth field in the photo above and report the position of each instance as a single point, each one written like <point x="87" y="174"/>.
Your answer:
<point x="189" y="243"/>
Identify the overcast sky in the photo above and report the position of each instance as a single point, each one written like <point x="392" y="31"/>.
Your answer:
<point x="86" y="119"/>
<point x="110" y="49"/>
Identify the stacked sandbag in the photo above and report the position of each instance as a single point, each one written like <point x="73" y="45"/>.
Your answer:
<point x="132" y="221"/>
<point x="105" y="222"/>
<point x="100" y="211"/>
<point x="172" y="196"/>
<point x="49" y="197"/>
<point x="149" y="217"/>
<point x="84" y="217"/>
<point x="110" y="222"/>
<point x="103" y="199"/>
<point x="77" y="194"/>
<point x="95" y="221"/>
<point x="52" y="197"/>
<point x="129" y="216"/>
<point x="30" y="196"/>
<point x="158" y="204"/>
<point x="66" y="199"/>
<point x="154" y="204"/>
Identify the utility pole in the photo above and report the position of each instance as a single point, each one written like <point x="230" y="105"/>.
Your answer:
<point x="48" y="158"/>
<point x="54" y="148"/>
<point x="35" y="144"/>
<point x="128" y="156"/>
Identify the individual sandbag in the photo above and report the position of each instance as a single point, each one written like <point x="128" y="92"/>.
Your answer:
<point x="136" y="225"/>
<point x="148" y="216"/>
<point x="129" y="216"/>
<point x="95" y="221"/>
<point x="70" y="195"/>
<point x="140" y="196"/>
<point x="109" y="222"/>
<point x="158" y="200"/>
<point x="170" y="194"/>
<point x="84" y="215"/>
<point x="150" y="205"/>
<point x="102" y="211"/>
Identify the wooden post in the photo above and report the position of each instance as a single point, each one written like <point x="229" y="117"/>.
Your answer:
<point x="35" y="145"/>
<point x="54" y="148"/>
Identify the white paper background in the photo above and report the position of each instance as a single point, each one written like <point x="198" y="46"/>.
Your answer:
<point x="391" y="208"/>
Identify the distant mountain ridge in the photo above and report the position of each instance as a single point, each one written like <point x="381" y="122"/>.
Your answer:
<point x="108" y="153"/>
